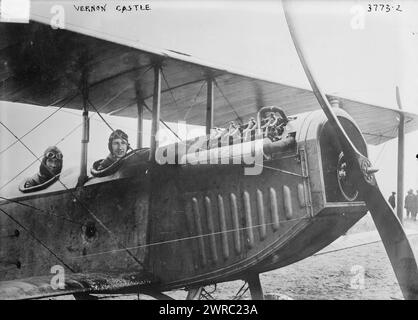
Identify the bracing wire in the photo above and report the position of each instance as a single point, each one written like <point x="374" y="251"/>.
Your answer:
<point x="41" y="211"/>
<point x="383" y="148"/>
<point x="82" y="204"/>
<point x="73" y="130"/>
<point x="144" y="246"/>
<point x="159" y="243"/>
<point x="37" y="125"/>
<point x="101" y="117"/>
<point x="169" y="88"/>
<point x="163" y="122"/>
<point x="194" y="100"/>
<point x="39" y="157"/>
<point x="38" y="240"/>
<point x="227" y="101"/>
<point x="244" y="288"/>
<point x="189" y="238"/>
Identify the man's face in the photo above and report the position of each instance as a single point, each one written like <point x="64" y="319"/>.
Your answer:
<point x="119" y="147"/>
<point x="53" y="165"/>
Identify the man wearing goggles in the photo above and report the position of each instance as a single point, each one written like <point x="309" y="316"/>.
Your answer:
<point x="52" y="155"/>
<point x="51" y="165"/>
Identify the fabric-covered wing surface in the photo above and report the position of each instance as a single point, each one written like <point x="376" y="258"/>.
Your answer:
<point x="42" y="66"/>
<point x="46" y="286"/>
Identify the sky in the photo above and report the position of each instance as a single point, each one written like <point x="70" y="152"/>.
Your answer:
<point x="354" y="53"/>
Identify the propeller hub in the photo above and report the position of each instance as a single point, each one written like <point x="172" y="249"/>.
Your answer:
<point x="367" y="170"/>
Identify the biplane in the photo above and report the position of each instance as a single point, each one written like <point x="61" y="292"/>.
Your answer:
<point x="152" y="226"/>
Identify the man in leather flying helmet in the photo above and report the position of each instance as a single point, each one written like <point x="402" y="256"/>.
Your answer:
<point x="51" y="165"/>
<point x="118" y="146"/>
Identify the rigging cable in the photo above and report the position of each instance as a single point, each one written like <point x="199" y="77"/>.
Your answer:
<point x="194" y="100"/>
<point x="72" y="131"/>
<point x="38" y="158"/>
<point x="163" y="122"/>
<point x="226" y="99"/>
<point x="48" y="213"/>
<point x="180" y="239"/>
<point x="244" y="288"/>
<point x="307" y="217"/>
<point x="38" y="124"/>
<point x="80" y="202"/>
<point x="38" y="240"/>
<point x="100" y="121"/>
<point x="353" y="246"/>
<point x="383" y="148"/>
<point x="104" y="120"/>
<point x="169" y="88"/>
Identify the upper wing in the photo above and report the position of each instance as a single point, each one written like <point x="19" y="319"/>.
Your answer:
<point x="42" y="66"/>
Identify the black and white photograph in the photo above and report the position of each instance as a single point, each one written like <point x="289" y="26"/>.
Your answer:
<point x="229" y="151"/>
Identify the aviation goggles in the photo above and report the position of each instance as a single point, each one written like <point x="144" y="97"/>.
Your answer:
<point x="52" y="155"/>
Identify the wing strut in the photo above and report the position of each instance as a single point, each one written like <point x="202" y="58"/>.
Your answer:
<point x="209" y="105"/>
<point x="401" y="152"/>
<point x="156" y="110"/>
<point x="140" y="107"/>
<point x="84" y="88"/>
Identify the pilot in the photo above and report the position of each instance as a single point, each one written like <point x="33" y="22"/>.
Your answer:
<point x="51" y="165"/>
<point x="118" y="146"/>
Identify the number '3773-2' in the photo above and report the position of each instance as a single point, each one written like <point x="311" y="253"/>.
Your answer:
<point x="383" y="7"/>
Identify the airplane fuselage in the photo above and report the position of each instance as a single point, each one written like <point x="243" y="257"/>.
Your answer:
<point x="189" y="224"/>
